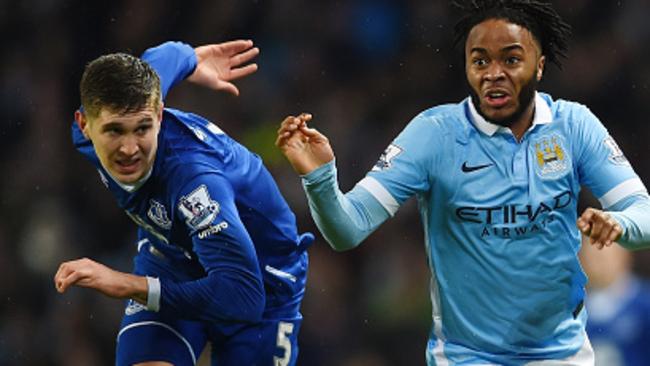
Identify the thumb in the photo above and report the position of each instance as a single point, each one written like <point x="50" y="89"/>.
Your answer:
<point x="229" y="88"/>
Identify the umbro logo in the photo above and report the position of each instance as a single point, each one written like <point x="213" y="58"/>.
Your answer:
<point x="467" y="169"/>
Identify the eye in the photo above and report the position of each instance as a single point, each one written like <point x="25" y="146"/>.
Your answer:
<point x="141" y="130"/>
<point x="480" y="62"/>
<point x="113" y="131"/>
<point x="513" y="60"/>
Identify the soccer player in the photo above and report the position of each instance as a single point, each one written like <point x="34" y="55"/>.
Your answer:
<point x="497" y="178"/>
<point x="219" y="257"/>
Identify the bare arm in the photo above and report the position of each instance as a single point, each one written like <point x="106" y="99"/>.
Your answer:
<point x="90" y="274"/>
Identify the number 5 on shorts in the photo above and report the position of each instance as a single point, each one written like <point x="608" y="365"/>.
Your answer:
<point x="284" y="331"/>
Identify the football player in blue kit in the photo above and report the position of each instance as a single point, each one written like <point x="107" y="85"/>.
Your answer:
<point x="219" y="256"/>
<point x="497" y="178"/>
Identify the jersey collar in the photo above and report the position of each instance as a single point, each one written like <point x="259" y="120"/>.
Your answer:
<point x="542" y="116"/>
<point x="130" y="187"/>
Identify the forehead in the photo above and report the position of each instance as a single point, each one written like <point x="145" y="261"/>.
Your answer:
<point x="106" y="115"/>
<point x="497" y="34"/>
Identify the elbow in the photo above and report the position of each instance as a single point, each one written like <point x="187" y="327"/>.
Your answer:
<point x="342" y="244"/>
<point x="248" y="300"/>
<point x="252" y="309"/>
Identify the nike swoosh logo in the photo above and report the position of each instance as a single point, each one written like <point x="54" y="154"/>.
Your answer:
<point x="467" y="169"/>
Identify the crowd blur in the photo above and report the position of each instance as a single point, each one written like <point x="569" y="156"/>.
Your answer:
<point x="363" y="68"/>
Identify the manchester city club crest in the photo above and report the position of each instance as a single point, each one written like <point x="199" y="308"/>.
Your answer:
<point x="551" y="158"/>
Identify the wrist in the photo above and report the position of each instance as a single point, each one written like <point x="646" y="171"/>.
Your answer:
<point x="136" y="288"/>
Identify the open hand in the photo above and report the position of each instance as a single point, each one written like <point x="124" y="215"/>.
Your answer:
<point x="219" y="64"/>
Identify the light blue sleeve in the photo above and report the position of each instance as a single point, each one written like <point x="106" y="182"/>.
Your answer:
<point x="405" y="167"/>
<point x="633" y="214"/>
<point x="602" y="166"/>
<point x="402" y="171"/>
<point x="344" y="219"/>
<point x="605" y="170"/>
<point x="173" y="61"/>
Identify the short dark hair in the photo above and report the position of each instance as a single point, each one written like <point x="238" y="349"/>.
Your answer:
<point x="538" y="16"/>
<point x="120" y="82"/>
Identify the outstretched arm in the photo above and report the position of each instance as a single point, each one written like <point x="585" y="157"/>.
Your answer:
<point x="343" y="219"/>
<point x="90" y="274"/>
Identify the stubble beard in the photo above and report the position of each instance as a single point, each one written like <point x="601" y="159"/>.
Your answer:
<point x="526" y="96"/>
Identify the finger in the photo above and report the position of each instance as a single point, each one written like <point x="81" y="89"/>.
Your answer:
<point x="65" y="282"/>
<point x="305" y="117"/>
<point x="237" y="46"/>
<point x="615" y="234"/>
<point x="610" y="232"/>
<point x="64" y="270"/>
<point x="244" y="57"/>
<point x="313" y="134"/>
<point x="289" y="124"/>
<point x="240" y="72"/>
<point x="584" y="221"/>
<point x="229" y="88"/>
<point x="597" y="225"/>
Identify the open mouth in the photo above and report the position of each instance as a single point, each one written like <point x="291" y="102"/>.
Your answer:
<point x="496" y="98"/>
<point x="128" y="166"/>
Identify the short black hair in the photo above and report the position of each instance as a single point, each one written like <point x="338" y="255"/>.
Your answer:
<point x="120" y="82"/>
<point x="538" y="16"/>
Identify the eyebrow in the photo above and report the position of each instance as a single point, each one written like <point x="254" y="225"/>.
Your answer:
<point x="110" y="125"/>
<point x="512" y="47"/>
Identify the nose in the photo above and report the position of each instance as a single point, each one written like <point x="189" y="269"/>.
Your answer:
<point x="494" y="72"/>
<point x="129" y="145"/>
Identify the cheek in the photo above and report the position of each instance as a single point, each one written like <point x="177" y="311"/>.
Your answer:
<point x="473" y="79"/>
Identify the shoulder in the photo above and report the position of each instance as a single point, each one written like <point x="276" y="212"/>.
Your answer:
<point x="437" y="122"/>
<point x="566" y="111"/>
<point x="188" y="147"/>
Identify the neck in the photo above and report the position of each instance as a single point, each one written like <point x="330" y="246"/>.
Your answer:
<point x="523" y="123"/>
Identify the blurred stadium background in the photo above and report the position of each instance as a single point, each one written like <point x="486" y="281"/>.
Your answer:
<point x="364" y="68"/>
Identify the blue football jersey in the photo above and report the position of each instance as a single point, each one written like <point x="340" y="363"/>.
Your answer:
<point x="213" y="211"/>
<point x="500" y="224"/>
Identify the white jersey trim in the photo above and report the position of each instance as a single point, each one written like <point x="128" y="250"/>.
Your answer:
<point x="176" y="333"/>
<point x="382" y="195"/>
<point x="621" y="191"/>
<point x="153" y="294"/>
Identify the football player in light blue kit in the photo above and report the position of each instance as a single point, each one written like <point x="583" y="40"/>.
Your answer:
<point x="497" y="178"/>
<point x="219" y="256"/>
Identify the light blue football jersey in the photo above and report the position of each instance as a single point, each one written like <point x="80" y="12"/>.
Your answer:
<point x="499" y="218"/>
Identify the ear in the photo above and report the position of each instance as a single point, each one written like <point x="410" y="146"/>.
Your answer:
<point x="160" y="111"/>
<point x="82" y="122"/>
<point x="540" y="67"/>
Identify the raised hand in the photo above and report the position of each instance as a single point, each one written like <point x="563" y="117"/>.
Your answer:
<point x="304" y="147"/>
<point x="601" y="229"/>
<point x="219" y="64"/>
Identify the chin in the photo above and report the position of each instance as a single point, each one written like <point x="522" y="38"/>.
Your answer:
<point x="127" y="178"/>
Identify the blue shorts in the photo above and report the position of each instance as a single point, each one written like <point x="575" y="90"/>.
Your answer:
<point x="158" y="336"/>
<point x="148" y="336"/>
